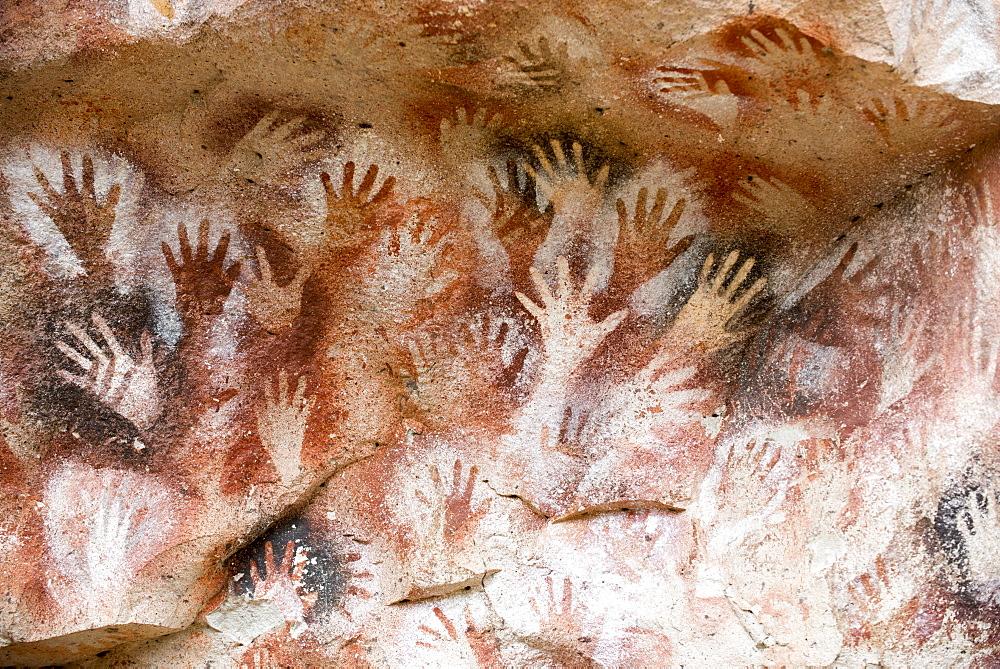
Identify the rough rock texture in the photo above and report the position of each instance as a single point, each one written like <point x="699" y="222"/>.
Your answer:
<point x="499" y="333"/>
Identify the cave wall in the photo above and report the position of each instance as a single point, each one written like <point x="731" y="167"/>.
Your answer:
<point x="499" y="333"/>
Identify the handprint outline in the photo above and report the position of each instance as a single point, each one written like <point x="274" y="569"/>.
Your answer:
<point x="546" y="69"/>
<point x="569" y="335"/>
<point x="282" y="423"/>
<point x="691" y="88"/>
<point x="714" y="305"/>
<point x="126" y="386"/>
<point x="274" y="307"/>
<point x="271" y="149"/>
<point x="569" y="189"/>
<point x="281" y="584"/>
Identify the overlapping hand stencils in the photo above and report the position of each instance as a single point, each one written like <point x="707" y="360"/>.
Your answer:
<point x="519" y="290"/>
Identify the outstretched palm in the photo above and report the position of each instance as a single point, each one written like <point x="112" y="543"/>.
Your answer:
<point x="201" y="282"/>
<point x="349" y="212"/>
<point x="83" y="219"/>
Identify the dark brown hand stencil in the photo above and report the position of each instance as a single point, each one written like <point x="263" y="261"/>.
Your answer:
<point x="644" y="248"/>
<point x="350" y="212"/>
<point x="202" y="283"/>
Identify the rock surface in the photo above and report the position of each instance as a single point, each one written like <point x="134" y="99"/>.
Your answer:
<point x="495" y="333"/>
